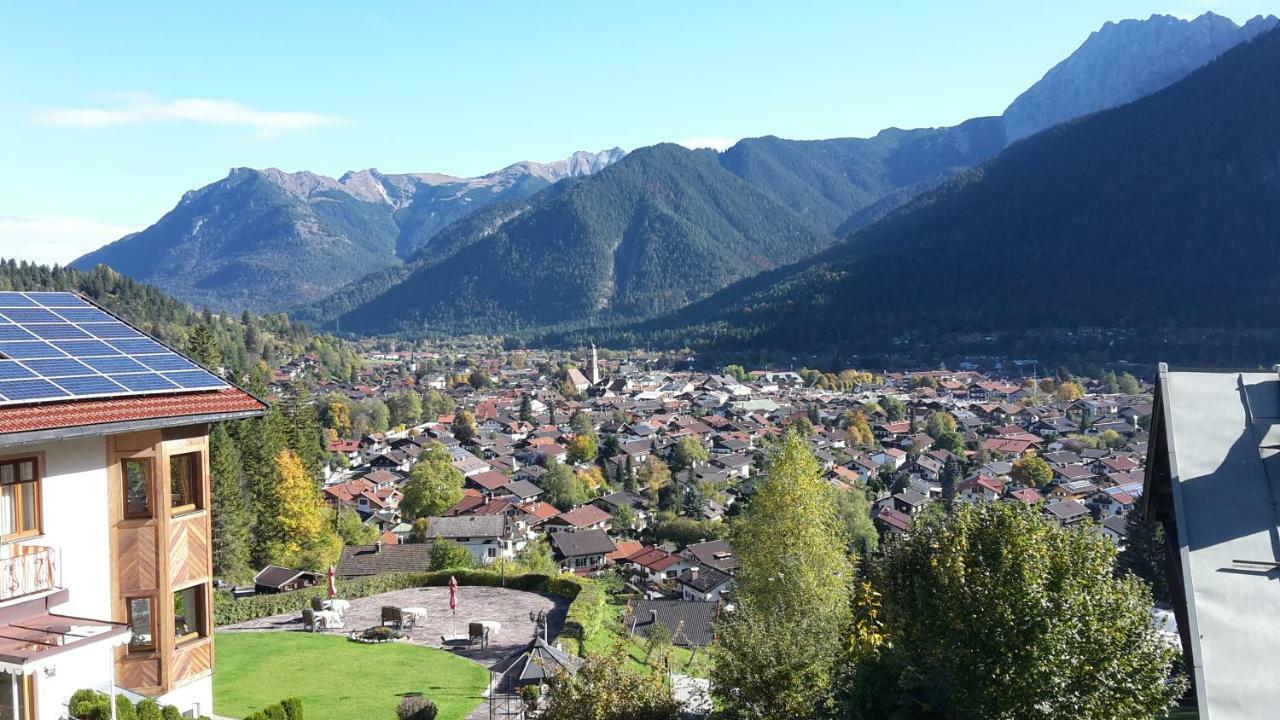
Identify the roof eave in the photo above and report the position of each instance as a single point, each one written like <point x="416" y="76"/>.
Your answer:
<point x="102" y="429"/>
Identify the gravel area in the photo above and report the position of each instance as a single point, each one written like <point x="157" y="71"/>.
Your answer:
<point x="509" y="607"/>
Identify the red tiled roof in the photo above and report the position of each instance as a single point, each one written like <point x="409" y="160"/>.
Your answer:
<point x="79" y="413"/>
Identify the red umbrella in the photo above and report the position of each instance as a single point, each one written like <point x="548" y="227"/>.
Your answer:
<point x="333" y="583"/>
<point x="453" y="593"/>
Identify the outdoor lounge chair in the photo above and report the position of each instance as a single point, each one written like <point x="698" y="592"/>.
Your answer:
<point x="317" y="604"/>
<point x="319" y="621"/>
<point x="309" y="620"/>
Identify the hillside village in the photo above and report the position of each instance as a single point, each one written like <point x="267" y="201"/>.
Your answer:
<point x="672" y="453"/>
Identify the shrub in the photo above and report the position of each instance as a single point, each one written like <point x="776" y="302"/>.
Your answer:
<point x="292" y="708"/>
<point x="275" y="712"/>
<point x="149" y="709"/>
<point x="90" y="705"/>
<point x="170" y="712"/>
<point x="125" y="709"/>
<point x="416" y="707"/>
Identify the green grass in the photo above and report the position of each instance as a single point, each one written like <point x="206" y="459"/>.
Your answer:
<point x="337" y="679"/>
<point x="683" y="661"/>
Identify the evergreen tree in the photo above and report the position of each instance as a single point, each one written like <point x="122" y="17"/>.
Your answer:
<point x="203" y="348"/>
<point x="692" y="505"/>
<point x="229" y="514"/>
<point x="950" y="476"/>
<point x="303" y="434"/>
<point x="1145" y="555"/>
<point x="526" y="409"/>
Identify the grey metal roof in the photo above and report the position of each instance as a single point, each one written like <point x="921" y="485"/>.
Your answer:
<point x="1213" y="478"/>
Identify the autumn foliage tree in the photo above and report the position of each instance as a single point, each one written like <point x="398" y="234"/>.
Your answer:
<point x="778" y="648"/>
<point x="304" y="538"/>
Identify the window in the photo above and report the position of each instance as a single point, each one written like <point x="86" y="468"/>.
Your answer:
<point x="19" y="498"/>
<point x="142" y="623"/>
<point x="184" y="482"/>
<point x="16" y="701"/>
<point x="137" y="489"/>
<point x="188" y="614"/>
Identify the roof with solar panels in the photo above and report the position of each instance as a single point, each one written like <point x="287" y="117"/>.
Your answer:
<point x="68" y="368"/>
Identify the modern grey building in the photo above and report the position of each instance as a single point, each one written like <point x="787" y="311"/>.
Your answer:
<point x="1213" y="480"/>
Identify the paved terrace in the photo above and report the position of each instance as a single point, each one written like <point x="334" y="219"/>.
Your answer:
<point x="509" y="607"/>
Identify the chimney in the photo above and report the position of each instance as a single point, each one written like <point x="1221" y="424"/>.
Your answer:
<point x="377" y="547"/>
<point x="693" y="573"/>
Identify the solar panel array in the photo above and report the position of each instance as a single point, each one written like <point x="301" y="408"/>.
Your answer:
<point x="58" y="346"/>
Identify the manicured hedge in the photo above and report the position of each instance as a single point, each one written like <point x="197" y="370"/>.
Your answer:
<point x="228" y="610"/>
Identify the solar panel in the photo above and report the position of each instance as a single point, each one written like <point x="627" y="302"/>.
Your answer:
<point x="58" y="346"/>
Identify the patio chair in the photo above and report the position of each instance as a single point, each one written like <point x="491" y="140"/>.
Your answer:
<point x="309" y="620"/>
<point x="397" y="618"/>
<point x="317" y="604"/>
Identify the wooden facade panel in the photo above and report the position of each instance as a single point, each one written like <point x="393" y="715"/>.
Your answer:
<point x="192" y="661"/>
<point x="139" y="673"/>
<point x="137" y="559"/>
<point x="188" y="550"/>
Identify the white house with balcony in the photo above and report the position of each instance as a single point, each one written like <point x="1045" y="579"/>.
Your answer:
<point x="105" y="565"/>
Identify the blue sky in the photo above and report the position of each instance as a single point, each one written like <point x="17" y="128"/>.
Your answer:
<point x="110" y="113"/>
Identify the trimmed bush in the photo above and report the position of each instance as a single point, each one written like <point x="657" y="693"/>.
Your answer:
<point x="416" y="707"/>
<point x="149" y="709"/>
<point x="90" y="705"/>
<point x="292" y="708"/>
<point x="125" y="709"/>
<point x="170" y="712"/>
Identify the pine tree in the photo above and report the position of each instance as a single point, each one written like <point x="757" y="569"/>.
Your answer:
<point x="1144" y="555"/>
<point x="260" y="440"/>
<point x="303" y="434"/>
<point x="203" y="348"/>
<point x="229" y="513"/>
<point x="950" y="476"/>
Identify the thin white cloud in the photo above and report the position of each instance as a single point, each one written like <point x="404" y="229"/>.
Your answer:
<point x="142" y="109"/>
<point x="53" y="239"/>
<point x="715" y="143"/>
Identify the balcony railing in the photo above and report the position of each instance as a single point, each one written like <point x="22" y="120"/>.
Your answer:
<point x="29" y="569"/>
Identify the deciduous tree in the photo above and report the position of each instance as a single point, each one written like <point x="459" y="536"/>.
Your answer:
<point x="993" y="611"/>
<point x="777" y="649"/>
<point x="434" y="485"/>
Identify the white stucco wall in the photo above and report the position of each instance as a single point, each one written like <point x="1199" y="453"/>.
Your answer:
<point x="75" y="521"/>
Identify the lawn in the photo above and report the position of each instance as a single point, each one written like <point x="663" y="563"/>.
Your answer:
<point x="683" y="661"/>
<point x="338" y="679"/>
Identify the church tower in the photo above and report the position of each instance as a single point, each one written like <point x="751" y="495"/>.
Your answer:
<point x="595" y="366"/>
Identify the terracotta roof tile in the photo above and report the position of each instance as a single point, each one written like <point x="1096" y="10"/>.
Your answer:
<point x="79" y="413"/>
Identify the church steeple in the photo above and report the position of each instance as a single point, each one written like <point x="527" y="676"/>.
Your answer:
<point x="595" y="366"/>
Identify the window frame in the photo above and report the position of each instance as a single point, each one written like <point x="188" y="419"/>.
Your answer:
<point x="24" y="685"/>
<point x="149" y="466"/>
<point x="128" y="607"/>
<point x="37" y="481"/>
<point x="197" y="484"/>
<point x="200" y="631"/>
